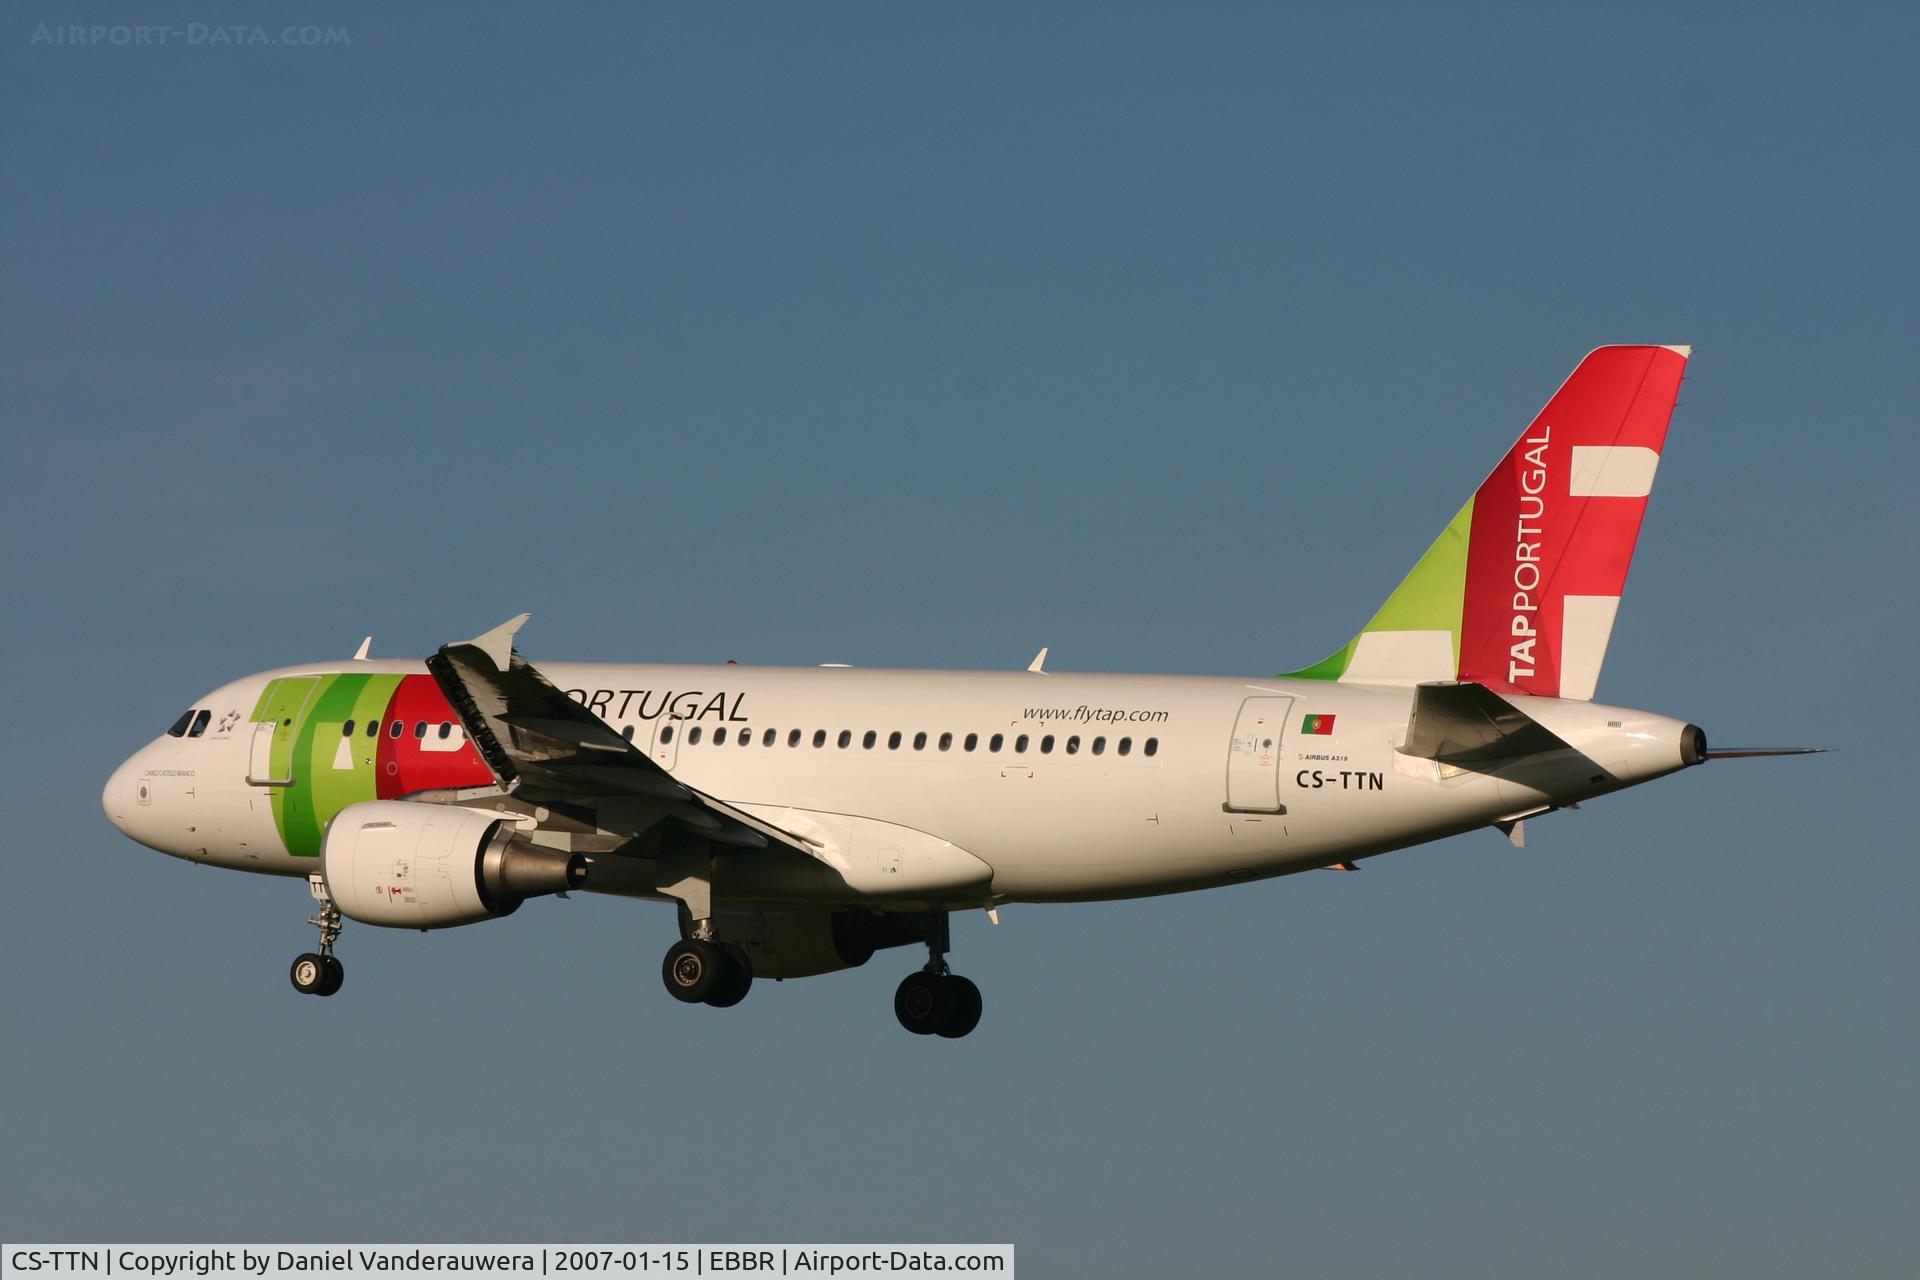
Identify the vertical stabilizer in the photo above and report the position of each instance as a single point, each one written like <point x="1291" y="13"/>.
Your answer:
<point x="1520" y="590"/>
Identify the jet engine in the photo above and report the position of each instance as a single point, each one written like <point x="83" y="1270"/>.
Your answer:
<point x="797" y="942"/>
<point x="408" y="865"/>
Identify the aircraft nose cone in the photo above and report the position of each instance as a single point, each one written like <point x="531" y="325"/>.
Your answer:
<point x="117" y="796"/>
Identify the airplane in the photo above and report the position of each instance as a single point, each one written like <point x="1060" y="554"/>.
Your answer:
<point x="802" y="819"/>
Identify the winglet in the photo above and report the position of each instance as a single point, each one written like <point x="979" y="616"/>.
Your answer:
<point x="360" y="654"/>
<point x="498" y="643"/>
<point x="1039" y="662"/>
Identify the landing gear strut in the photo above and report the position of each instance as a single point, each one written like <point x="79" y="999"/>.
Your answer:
<point x="935" y="1001"/>
<point x="318" y="973"/>
<point x="700" y="969"/>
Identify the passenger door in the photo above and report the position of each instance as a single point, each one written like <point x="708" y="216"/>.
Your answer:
<point x="1253" y="756"/>
<point x="270" y="755"/>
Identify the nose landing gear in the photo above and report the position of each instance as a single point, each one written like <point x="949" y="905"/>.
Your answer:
<point x="318" y="973"/>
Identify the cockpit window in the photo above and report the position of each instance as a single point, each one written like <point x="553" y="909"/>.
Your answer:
<point x="200" y="724"/>
<point x="180" y="726"/>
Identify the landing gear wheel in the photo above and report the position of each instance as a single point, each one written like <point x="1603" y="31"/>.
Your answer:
<point x="317" y="973"/>
<point x="965" y="1015"/>
<point x="693" y="970"/>
<point x="735" y="980"/>
<point x="336" y="973"/>
<point x="309" y="974"/>
<point x="923" y="1002"/>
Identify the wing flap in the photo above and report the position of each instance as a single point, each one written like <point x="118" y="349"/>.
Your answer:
<point x="542" y="745"/>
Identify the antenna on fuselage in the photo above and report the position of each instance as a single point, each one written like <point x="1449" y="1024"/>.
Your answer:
<point x="360" y="654"/>
<point x="1039" y="662"/>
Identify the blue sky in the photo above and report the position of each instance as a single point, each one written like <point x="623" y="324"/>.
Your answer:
<point x="927" y="335"/>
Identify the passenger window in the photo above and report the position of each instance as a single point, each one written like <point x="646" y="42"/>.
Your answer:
<point x="693" y="736"/>
<point x="1046" y="745"/>
<point x="446" y="730"/>
<point x="394" y="730"/>
<point x="767" y="739"/>
<point x="1126" y="745"/>
<point x="627" y="733"/>
<point x="993" y="743"/>
<point x="946" y="742"/>
<point x="893" y="740"/>
<point x="1151" y="747"/>
<point x="420" y="729"/>
<point x="819" y="737"/>
<point x="373" y="728"/>
<point x="1099" y="745"/>
<point x="1073" y="744"/>
<point x="179" y="729"/>
<point x="869" y="739"/>
<point x="793" y="737"/>
<point x="1020" y="744"/>
<point x="744" y="737"/>
<point x="919" y="742"/>
<point x="973" y="740"/>
<point x="666" y="734"/>
<point x="846" y="737"/>
<point x="346" y="730"/>
<point x="720" y="736"/>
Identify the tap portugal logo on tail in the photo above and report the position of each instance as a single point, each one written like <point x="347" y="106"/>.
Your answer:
<point x="1520" y="589"/>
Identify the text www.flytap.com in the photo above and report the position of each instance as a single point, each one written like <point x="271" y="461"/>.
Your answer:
<point x="1096" y="715"/>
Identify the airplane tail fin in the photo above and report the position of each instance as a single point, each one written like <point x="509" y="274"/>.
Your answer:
<point x="1520" y="589"/>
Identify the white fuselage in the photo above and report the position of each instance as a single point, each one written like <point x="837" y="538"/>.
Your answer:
<point x="1217" y="781"/>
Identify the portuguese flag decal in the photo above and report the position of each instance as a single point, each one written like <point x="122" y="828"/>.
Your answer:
<point x="1317" y="724"/>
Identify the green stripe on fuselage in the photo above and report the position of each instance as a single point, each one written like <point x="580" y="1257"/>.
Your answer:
<point x="335" y="778"/>
<point x="308" y="750"/>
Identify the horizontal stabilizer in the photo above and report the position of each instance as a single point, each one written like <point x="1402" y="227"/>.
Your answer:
<point x="1459" y="722"/>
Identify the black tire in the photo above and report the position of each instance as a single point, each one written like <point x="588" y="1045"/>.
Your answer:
<point x="923" y="1002"/>
<point x="336" y="974"/>
<point x="692" y="970"/>
<point x="965" y="1013"/>
<point x="309" y="973"/>
<point x="736" y="981"/>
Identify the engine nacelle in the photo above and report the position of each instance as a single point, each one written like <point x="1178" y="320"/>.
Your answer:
<point x="798" y="942"/>
<point x="408" y="865"/>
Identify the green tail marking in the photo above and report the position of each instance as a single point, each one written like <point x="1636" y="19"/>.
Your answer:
<point x="1432" y="597"/>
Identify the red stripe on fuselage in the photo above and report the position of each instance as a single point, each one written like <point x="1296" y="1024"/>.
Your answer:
<point x="404" y="764"/>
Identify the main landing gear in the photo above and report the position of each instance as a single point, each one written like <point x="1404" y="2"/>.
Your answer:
<point x="705" y="971"/>
<point x="319" y="974"/>
<point x="934" y="1001"/>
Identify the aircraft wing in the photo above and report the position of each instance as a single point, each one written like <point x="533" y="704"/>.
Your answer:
<point x="1463" y="723"/>
<point x="544" y="747"/>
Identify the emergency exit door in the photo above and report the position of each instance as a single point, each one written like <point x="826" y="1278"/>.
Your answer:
<point x="1253" y="757"/>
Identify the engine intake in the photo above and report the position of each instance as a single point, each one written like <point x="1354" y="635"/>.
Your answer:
<point x="407" y="865"/>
